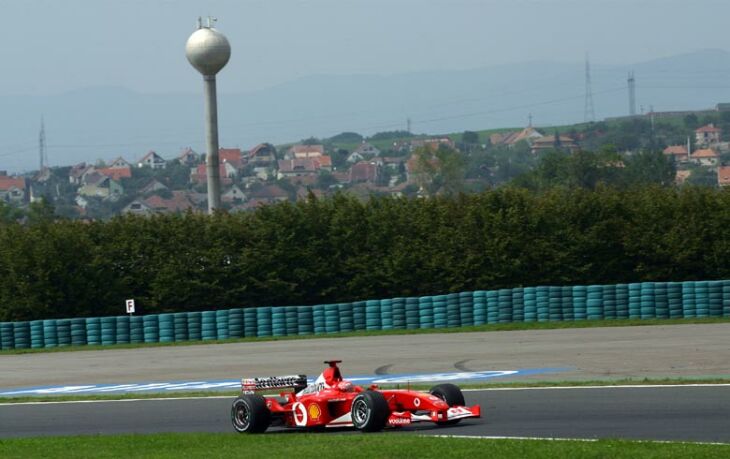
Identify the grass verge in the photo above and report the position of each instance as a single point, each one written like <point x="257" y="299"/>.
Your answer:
<point x="385" y="445"/>
<point x="423" y="387"/>
<point x="515" y="326"/>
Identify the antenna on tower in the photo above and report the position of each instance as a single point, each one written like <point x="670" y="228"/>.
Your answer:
<point x="42" y="146"/>
<point x="632" y="94"/>
<point x="408" y="124"/>
<point x="589" y="112"/>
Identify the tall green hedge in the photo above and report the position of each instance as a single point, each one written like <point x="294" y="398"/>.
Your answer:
<point x="341" y="249"/>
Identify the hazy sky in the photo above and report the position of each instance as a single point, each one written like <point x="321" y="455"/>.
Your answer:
<point x="51" y="46"/>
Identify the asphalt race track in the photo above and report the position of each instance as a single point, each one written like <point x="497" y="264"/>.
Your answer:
<point x="651" y="413"/>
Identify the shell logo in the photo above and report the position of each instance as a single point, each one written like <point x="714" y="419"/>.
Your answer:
<point x="314" y="411"/>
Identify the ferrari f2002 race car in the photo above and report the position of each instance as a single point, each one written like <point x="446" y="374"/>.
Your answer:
<point x="331" y="401"/>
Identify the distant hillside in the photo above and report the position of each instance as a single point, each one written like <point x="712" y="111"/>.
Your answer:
<point x="106" y="122"/>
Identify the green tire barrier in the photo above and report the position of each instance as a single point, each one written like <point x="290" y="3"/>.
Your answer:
<point x="250" y="328"/>
<point x="621" y="301"/>
<point x="347" y="322"/>
<point x="278" y="321"/>
<point x="412" y="313"/>
<point x="453" y="318"/>
<point x="702" y="299"/>
<point x="555" y="303"/>
<point x="580" y="302"/>
<point x="235" y="323"/>
<point x="63" y="331"/>
<point x="715" y="296"/>
<point x="466" y="308"/>
<point x="386" y="314"/>
<point x="359" y="320"/>
<point x="634" y="301"/>
<point x="661" y="301"/>
<point x="492" y="301"/>
<point x="331" y="318"/>
<point x="21" y="335"/>
<point x="566" y="302"/>
<point x="439" y="311"/>
<point x="151" y="329"/>
<point x="518" y="305"/>
<point x="78" y="332"/>
<point x="136" y="329"/>
<point x="195" y="325"/>
<point x="542" y="300"/>
<point x="609" y="301"/>
<point x="108" y="331"/>
<point x="372" y="315"/>
<point x="221" y="324"/>
<point x="399" y="313"/>
<point x="318" y="319"/>
<point x="36" y="334"/>
<point x="208" y="328"/>
<point x="7" y="336"/>
<point x="180" y="326"/>
<point x="292" y="321"/>
<point x="166" y="327"/>
<point x="123" y="330"/>
<point x="263" y="321"/>
<point x="480" y="307"/>
<point x="425" y="308"/>
<point x="305" y="321"/>
<point x="93" y="331"/>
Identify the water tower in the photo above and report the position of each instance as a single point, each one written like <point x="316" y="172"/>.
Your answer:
<point x="208" y="51"/>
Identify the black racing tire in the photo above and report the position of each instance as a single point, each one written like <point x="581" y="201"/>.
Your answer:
<point x="370" y="411"/>
<point x="249" y="414"/>
<point x="452" y="395"/>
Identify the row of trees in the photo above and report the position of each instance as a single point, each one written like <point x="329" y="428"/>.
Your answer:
<point x="342" y="249"/>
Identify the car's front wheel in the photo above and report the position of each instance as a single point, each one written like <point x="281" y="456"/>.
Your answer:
<point x="250" y="414"/>
<point x="452" y="395"/>
<point x="369" y="411"/>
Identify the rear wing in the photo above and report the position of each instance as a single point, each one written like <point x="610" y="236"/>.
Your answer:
<point x="296" y="382"/>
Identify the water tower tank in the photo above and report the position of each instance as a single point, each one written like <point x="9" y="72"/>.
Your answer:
<point x="208" y="50"/>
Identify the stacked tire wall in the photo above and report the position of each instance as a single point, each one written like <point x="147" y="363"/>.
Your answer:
<point x="646" y="300"/>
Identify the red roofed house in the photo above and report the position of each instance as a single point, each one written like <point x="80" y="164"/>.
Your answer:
<point x="677" y="153"/>
<point x="268" y="194"/>
<point x="119" y="163"/>
<point x="433" y="144"/>
<point x="364" y="171"/>
<point x="305" y="151"/>
<point x="179" y="202"/>
<point x="232" y="156"/>
<point x="199" y="174"/>
<point x="723" y="175"/>
<point x="12" y="189"/>
<point x="323" y="162"/>
<point x="297" y="167"/>
<point x="263" y="154"/>
<point x="116" y="173"/>
<point x="707" y="135"/>
<point x="705" y="157"/>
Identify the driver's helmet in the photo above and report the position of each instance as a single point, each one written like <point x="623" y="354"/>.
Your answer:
<point x="332" y="376"/>
<point x="345" y="386"/>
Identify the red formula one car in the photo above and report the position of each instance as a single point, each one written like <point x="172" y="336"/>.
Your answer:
<point x="333" y="402"/>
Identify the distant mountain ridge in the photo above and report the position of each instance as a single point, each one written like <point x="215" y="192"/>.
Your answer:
<point x="104" y="122"/>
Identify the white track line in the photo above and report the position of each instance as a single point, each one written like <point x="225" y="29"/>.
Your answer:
<point x="494" y="437"/>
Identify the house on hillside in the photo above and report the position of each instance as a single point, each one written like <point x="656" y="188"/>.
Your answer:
<point x="677" y="152"/>
<point x="510" y="139"/>
<point x="707" y="135"/>
<point x="305" y="151"/>
<point x="13" y="189"/>
<point x="152" y="160"/>
<point x="226" y="171"/>
<point x="367" y="150"/>
<point x="705" y="157"/>
<point x="179" y="202"/>
<point x="233" y="194"/>
<point x="365" y="171"/>
<point x="267" y="195"/>
<point x="119" y="163"/>
<point x="188" y="157"/>
<point x="77" y="172"/>
<point x="152" y="186"/>
<point x="549" y="142"/>
<point x="297" y="167"/>
<point x="101" y="186"/>
<point x="723" y="176"/>
<point x="116" y="173"/>
<point x="433" y="143"/>
<point x="262" y="155"/>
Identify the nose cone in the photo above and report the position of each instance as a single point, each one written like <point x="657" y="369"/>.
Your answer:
<point x="208" y="50"/>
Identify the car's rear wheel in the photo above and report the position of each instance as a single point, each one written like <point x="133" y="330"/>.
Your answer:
<point x="452" y="395"/>
<point x="250" y="414"/>
<point x="370" y="411"/>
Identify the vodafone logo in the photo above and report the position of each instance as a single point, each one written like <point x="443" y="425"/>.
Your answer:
<point x="300" y="414"/>
<point x="399" y="421"/>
